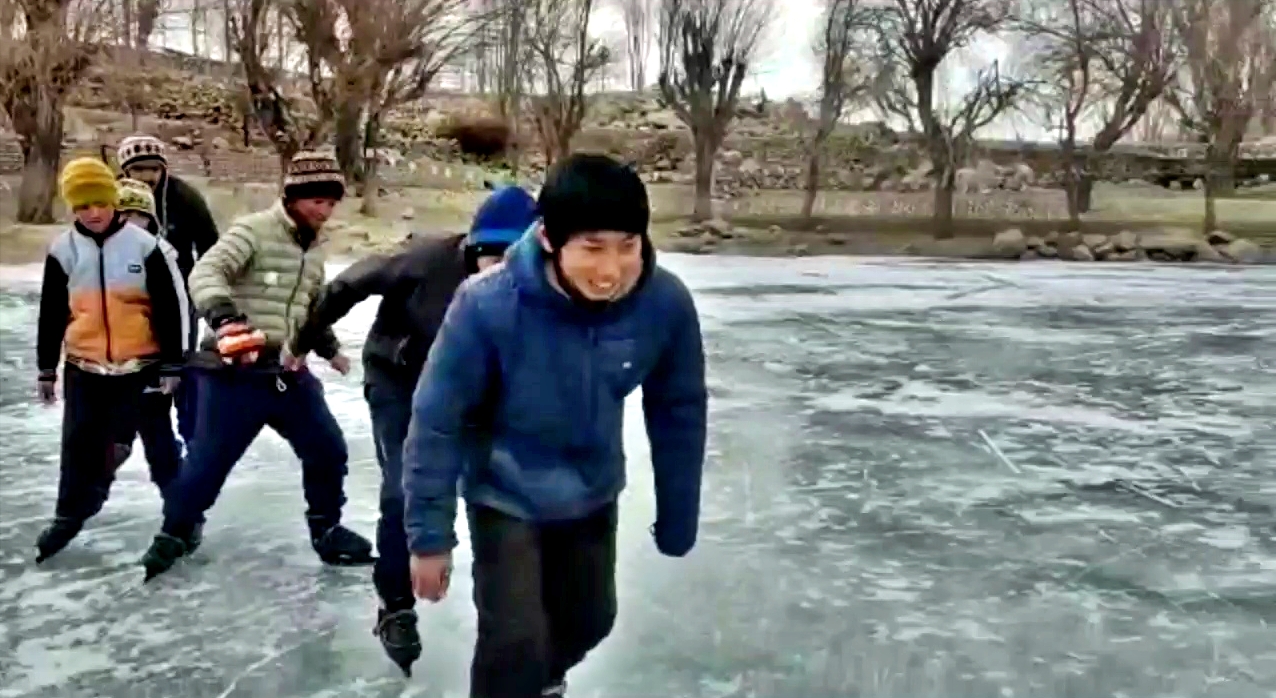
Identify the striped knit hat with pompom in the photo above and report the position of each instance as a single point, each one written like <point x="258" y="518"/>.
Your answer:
<point x="314" y="175"/>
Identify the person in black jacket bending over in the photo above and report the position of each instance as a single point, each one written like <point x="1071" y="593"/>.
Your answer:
<point x="184" y="221"/>
<point x="416" y="287"/>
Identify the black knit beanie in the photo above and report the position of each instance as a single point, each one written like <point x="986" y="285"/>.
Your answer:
<point x="585" y="192"/>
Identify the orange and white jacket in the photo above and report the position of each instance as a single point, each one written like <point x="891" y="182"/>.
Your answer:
<point x="116" y="300"/>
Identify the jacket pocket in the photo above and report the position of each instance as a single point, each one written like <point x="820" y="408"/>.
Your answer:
<point x="617" y="365"/>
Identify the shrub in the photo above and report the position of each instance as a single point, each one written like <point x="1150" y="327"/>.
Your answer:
<point x="483" y="138"/>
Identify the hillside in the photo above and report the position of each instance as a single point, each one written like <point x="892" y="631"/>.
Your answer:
<point x="197" y="106"/>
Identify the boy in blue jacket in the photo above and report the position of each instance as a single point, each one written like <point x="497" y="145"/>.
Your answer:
<point x="522" y="399"/>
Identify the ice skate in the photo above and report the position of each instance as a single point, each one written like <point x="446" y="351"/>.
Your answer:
<point x="165" y="551"/>
<point x="338" y="545"/>
<point x="56" y="537"/>
<point x="398" y="635"/>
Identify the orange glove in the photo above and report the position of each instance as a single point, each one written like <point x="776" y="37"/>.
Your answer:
<point x="239" y="342"/>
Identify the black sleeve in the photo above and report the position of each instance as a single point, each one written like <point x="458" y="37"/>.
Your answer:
<point x="55" y="315"/>
<point x="203" y="229"/>
<point x="371" y="276"/>
<point x="327" y="346"/>
<point x="170" y="314"/>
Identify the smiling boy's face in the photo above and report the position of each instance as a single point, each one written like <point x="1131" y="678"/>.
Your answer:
<point x="602" y="265"/>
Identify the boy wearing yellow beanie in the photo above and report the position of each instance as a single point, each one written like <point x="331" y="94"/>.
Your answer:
<point x="113" y="298"/>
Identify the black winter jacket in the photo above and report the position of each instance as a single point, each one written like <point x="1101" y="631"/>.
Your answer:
<point x="415" y="285"/>
<point x="184" y="221"/>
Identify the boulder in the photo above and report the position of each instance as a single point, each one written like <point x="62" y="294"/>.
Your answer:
<point x="1170" y="244"/>
<point x="1009" y="244"/>
<point x="1125" y="241"/>
<point x="1219" y="237"/>
<point x="1242" y="251"/>
<point x="1081" y="253"/>
<point x="1205" y="252"/>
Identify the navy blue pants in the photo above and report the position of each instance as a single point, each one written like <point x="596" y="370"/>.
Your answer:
<point x="390" y="405"/>
<point x="233" y="406"/>
<point x="185" y="398"/>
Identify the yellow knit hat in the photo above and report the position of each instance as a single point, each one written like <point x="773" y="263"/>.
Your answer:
<point x="88" y="181"/>
<point x="135" y="196"/>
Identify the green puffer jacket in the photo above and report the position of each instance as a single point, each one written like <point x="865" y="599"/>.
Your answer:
<point x="259" y="269"/>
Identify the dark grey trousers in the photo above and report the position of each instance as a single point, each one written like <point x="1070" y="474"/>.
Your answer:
<point x="545" y="595"/>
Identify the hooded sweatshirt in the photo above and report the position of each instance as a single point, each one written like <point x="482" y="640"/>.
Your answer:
<point x="545" y="381"/>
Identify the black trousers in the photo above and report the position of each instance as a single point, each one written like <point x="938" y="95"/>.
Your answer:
<point x="545" y="595"/>
<point x="391" y="407"/>
<point x="101" y="416"/>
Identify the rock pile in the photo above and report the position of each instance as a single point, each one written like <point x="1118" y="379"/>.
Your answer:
<point x="707" y="237"/>
<point x="1169" y="245"/>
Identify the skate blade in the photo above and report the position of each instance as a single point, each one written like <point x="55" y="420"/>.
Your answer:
<point x="151" y="572"/>
<point x="351" y="561"/>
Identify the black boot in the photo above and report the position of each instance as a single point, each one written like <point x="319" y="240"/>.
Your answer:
<point x="167" y="549"/>
<point x="338" y="545"/>
<point x="55" y="537"/>
<point x="397" y="632"/>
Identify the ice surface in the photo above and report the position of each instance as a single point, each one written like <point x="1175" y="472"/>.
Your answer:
<point x="860" y="536"/>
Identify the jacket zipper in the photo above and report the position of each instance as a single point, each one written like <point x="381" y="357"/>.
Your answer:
<point x="590" y="371"/>
<point x="291" y="297"/>
<point x="101" y="278"/>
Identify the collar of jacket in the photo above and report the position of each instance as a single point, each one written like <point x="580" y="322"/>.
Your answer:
<point x="281" y="214"/>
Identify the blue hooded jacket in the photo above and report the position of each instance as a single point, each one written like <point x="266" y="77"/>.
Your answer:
<point x="545" y="380"/>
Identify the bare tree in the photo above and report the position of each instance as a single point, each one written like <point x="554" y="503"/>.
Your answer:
<point x="1230" y="66"/>
<point x="275" y="113"/>
<point x="706" y="49"/>
<point x="1101" y="61"/>
<point x="431" y="34"/>
<point x="566" y="59"/>
<point x="637" y="16"/>
<point x="915" y="37"/>
<point x="45" y="47"/>
<point x="844" y="79"/>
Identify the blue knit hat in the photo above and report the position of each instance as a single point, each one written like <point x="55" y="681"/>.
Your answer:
<point x="503" y="218"/>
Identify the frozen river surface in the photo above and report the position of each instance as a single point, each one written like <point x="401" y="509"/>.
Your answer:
<point x="926" y="480"/>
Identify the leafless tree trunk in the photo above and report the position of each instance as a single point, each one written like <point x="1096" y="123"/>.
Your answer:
<point x="38" y="67"/>
<point x="148" y="12"/>
<point x="566" y="59"/>
<point x="706" y="49"/>
<point x="915" y="36"/>
<point x="273" y="111"/>
<point x="197" y="20"/>
<point x="637" y="16"/>
<point x="844" y="80"/>
<point x="373" y="52"/>
<point x="1230" y="55"/>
